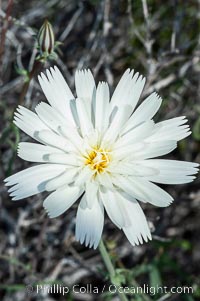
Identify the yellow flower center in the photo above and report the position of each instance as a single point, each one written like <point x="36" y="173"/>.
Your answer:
<point x="98" y="160"/>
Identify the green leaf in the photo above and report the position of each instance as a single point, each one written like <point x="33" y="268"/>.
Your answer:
<point x="138" y="298"/>
<point x="140" y="269"/>
<point x="196" y="130"/>
<point x="12" y="287"/>
<point x="185" y="245"/>
<point x="23" y="72"/>
<point x="16" y="262"/>
<point x="155" y="276"/>
<point x="119" y="277"/>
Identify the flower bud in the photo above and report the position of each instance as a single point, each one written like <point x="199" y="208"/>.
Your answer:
<point x="46" y="39"/>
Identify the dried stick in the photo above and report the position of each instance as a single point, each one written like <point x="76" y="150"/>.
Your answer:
<point x="3" y="34"/>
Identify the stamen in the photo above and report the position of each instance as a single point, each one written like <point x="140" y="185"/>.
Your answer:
<point x="98" y="159"/>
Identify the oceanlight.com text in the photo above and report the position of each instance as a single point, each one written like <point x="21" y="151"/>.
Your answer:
<point x="112" y="289"/>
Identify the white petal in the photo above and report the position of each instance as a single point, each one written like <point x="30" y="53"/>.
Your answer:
<point x="32" y="180"/>
<point x="102" y="107"/>
<point x="50" y="116"/>
<point x="55" y="140"/>
<point x="143" y="190"/>
<point x="28" y="122"/>
<point x="89" y="223"/>
<point x="57" y="93"/>
<point x="128" y="152"/>
<point x="177" y="121"/>
<point x="181" y="166"/>
<point x="134" y="169"/>
<point x="144" y="112"/>
<point x="65" y="178"/>
<point x="85" y="88"/>
<point x="127" y="186"/>
<point x="73" y="136"/>
<point x="90" y="142"/>
<point x="172" y="129"/>
<point x="139" y="230"/>
<point x="152" y="193"/>
<point x="167" y="179"/>
<point x="125" y="82"/>
<point x="128" y="90"/>
<point x="84" y="176"/>
<point x="114" y="208"/>
<point x="34" y="152"/>
<point x="105" y="179"/>
<point x="91" y="189"/>
<point x="156" y="149"/>
<point x="136" y="135"/>
<point x="144" y="150"/>
<point x="68" y="159"/>
<point x="59" y="79"/>
<point x="61" y="200"/>
<point x="171" y="171"/>
<point x="117" y="123"/>
<point x="84" y="118"/>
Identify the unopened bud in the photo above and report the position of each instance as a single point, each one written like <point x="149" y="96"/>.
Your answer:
<point x="46" y="39"/>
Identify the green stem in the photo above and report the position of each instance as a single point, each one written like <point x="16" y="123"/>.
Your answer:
<point x="36" y="67"/>
<point x="111" y="270"/>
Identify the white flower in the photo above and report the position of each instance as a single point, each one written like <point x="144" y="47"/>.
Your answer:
<point x="101" y="150"/>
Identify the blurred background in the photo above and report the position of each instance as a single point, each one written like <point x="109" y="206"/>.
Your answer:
<point x="161" y="40"/>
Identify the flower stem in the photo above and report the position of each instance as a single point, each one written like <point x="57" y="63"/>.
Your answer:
<point x="111" y="270"/>
<point x="36" y="67"/>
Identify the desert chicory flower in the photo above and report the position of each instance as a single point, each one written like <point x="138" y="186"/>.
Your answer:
<point x="101" y="150"/>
